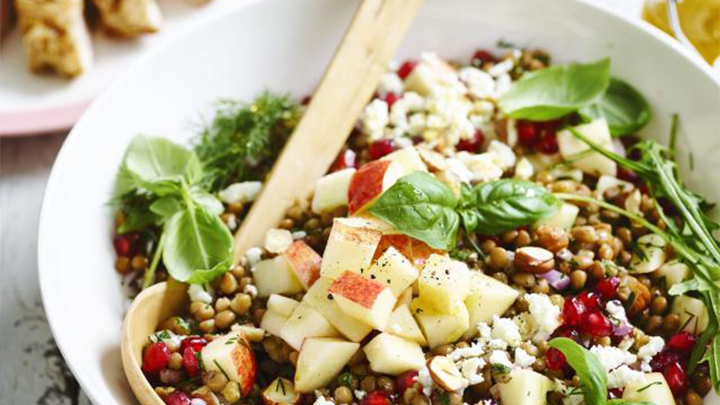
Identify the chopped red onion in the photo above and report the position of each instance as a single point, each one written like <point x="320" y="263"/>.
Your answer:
<point x="556" y="279"/>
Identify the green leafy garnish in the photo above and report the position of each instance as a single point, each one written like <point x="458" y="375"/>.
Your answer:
<point x="244" y="139"/>
<point x="421" y="206"/>
<point x="624" y="108"/>
<point x="499" y="206"/>
<point x="556" y="91"/>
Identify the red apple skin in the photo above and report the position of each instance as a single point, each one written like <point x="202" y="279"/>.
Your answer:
<point x="421" y="251"/>
<point x="246" y="364"/>
<point x="402" y="243"/>
<point x="357" y="288"/>
<point x="305" y="262"/>
<point x="366" y="185"/>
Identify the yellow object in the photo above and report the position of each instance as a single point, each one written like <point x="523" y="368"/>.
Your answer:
<point x="699" y="19"/>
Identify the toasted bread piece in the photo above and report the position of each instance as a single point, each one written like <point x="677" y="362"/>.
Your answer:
<point x="129" y="18"/>
<point x="55" y="35"/>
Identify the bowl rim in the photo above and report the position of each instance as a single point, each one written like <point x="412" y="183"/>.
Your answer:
<point x="45" y="222"/>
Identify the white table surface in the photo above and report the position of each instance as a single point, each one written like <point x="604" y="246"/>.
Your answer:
<point x="32" y="370"/>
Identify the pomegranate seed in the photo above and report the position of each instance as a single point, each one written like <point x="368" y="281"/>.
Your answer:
<point x="381" y="148"/>
<point x="405" y="381"/>
<point x="156" y="357"/>
<point x="480" y="57"/>
<point x="597" y="324"/>
<point x="178" y="398"/>
<point x="573" y="311"/>
<point x="607" y="288"/>
<point x="375" y="398"/>
<point x="615" y="393"/>
<point x="305" y="100"/>
<point x="548" y="143"/>
<point x="473" y="144"/>
<point x="406" y="68"/>
<point x="682" y="342"/>
<point x="676" y="379"/>
<point x="190" y="362"/>
<point x="663" y="360"/>
<point x="567" y="331"/>
<point x="345" y="160"/>
<point x="194" y="341"/>
<point x="527" y="133"/>
<point x="627" y="175"/>
<point x="125" y="244"/>
<point x="390" y="98"/>
<point x="555" y="359"/>
<point x="591" y="301"/>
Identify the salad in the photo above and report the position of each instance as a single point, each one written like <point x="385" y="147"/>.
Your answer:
<point x="494" y="233"/>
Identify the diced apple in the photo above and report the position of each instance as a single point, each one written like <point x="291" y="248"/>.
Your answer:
<point x="653" y="390"/>
<point x="320" y="360"/>
<point x="349" y="248"/>
<point x="274" y="276"/>
<point x="674" y="272"/>
<point x="282" y="305"/>
<point x="305" y="262"/>
<point x="331" y="191"/>
<point x="319" y="297"/>
<point x="402" y="323"/>
<point x="273" y="321"/>
<point x="251" y="333"/>
<point x="564" y="218"/>
<point x="526" y="387"/>
<point x="364" y="299"/>
<point x="370" y="181"/>
<point x="440" y="328"/>
<point x="443" y="282"/>
<point x="394" y="270"/>
<point x="368" y="220"/>
<point x="390" y="354"/>
<point x="487" y="297"/>
<point x="402" y="243"/>
<point x="693" y="313"/>
<point x="429" y="76"/>
<point x="305" y="322"/>
<point x="653" y="254"/>
<point x="594" y="163"/>
<point x="281" y="391"/>
<point x="422" y="252"/>
<point x="408" y="158"/>
<point x="232" y="355"/>
<point x="405" y="297"/>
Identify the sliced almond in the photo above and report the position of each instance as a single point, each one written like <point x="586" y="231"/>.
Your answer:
<point x="434" y="161"/>
<point x="445" y="373"/>
<point x="637" y="292"/>
<point x="534" y="259"/>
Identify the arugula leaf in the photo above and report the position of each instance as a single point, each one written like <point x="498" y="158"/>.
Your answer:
<point x="498" y="206"/>
<point x="556" y="91"/>
<point x="592" y="374"/>
<point x="421" y="206"/>
<point x="623" y="107"/>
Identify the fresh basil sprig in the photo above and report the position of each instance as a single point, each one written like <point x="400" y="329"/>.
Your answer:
<point x="499" y="206"/>
<point x="423" y="207"/>
<point x="593" y="378"/>
<point x="195" y="246"/>
<point x="623" y="107"/>
<point x="556" y="91"/>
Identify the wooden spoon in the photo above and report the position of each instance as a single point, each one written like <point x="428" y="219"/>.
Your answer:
<point x="349" y="82"/>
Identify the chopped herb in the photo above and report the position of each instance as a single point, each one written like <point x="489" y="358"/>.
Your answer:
<point x="444" y="399"/>
<point x="221" y="369"/>
<point x="649" y="385"/>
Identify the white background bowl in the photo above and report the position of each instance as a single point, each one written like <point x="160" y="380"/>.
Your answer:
<point x="285" y="45"/>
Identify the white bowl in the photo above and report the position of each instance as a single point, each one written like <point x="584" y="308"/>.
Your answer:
<point x="285" y="45"/>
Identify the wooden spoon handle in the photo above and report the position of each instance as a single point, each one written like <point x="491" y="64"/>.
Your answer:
<point x="349" y="82"/>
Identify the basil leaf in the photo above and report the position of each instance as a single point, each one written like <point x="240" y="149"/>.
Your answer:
<point x="421" y="206"/>
<point x="624" y="108"/>
<point x="499" y="206"/>
<point x="196" y="241"/>
<point x="207" y="200"/>
<point x="167" y="206"/>
<point x="592" y="375"/>
<point x="556" y="91"/>
<point x="137" y="220"/>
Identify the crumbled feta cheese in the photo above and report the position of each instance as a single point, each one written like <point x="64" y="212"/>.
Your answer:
<point x="321" y="399"/>
<point x="497" y="344"/>
<point x="523" y="169"/>
<point x="506" y="330"/>
<point x="458" y="168"/>
<point x="360" y="394"/>
<point x="612" y="357"/>
<point x="512" y="132"/>
<point x="244" y="192"/>
<point x="502" y="85"/>
<point x="197" y="293"/>
<point x="299" y="235"/>
<point x="500" y="357"/>
<point x="502" y="68"/>
<point x="197" y="401"/>
<point x="544" y="314"/>
<point x="390" y="82"/>
<point x="523" y="359"/>
<point x="479" y="83"/>
<point x="624" y="376"/>
<point x="616" y="310"/>
<point x="253" y="255"/>
<point x="482" y="166"/>
<point x="650" y="349"/>
<point x="251" y="290"/>
<point x="425" y="380"/>
<point x="476" y="349"/>
<point x="168" y="337"/>
<point x="417" y="124"/>
<point x="375" y="118"/>
<point x="503" y="156"/>
<point x="278" y="240"/>
<point x="472" y="370"/>
<point x="484" y="330"/>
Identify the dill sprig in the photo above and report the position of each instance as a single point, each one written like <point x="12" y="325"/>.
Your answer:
<point x="243" y="140"/>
